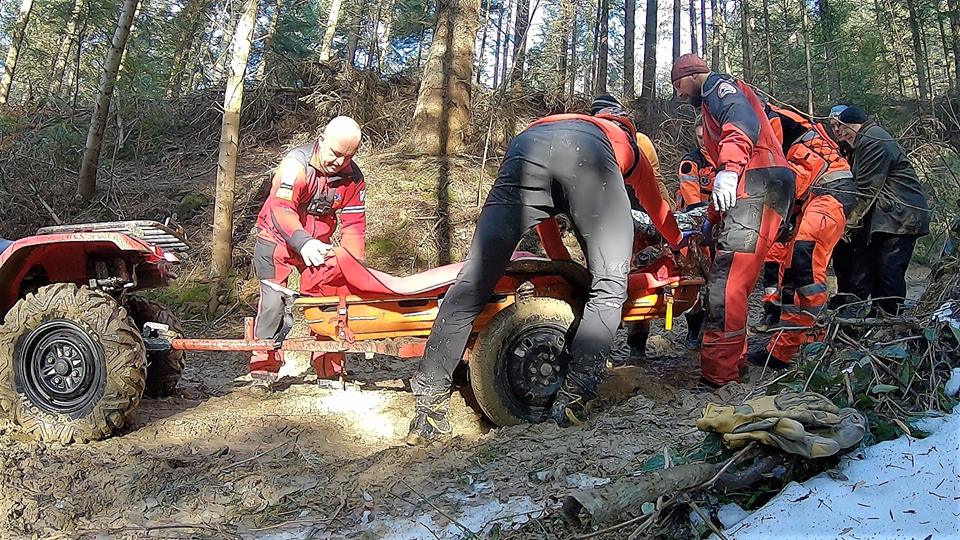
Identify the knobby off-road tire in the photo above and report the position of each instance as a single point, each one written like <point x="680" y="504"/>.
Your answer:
<point x="163" y="367"/>
<point x="514" y="368"/>
<point x="72" y="365"/>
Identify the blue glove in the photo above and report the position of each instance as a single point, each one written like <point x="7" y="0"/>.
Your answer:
<point x="707" y="229"/>
<point x="685" y="237"/>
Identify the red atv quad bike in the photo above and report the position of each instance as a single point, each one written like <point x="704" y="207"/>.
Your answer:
<point x="72" y="360"/>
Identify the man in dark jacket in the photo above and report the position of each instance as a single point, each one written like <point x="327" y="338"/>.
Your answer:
<point x="892" y="212"/>
<point x="576" y="164"/>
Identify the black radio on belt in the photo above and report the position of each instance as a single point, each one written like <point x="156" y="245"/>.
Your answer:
<point x="322" y="202"/>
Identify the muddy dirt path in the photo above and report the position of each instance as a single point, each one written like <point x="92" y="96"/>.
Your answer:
<point x="315" y="461"/>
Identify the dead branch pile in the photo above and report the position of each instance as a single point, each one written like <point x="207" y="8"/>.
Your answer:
<point x="891" y="368"/>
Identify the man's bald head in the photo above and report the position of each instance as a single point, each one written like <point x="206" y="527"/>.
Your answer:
<point x="340" y="141"/>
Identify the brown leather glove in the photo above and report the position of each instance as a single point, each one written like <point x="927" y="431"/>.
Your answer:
<point x="792" y="436"/>
<point x="809" y="408"/>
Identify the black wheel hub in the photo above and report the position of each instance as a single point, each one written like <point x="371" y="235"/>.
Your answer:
<point x="533" y="364"/>
<point x="60" y="367"/>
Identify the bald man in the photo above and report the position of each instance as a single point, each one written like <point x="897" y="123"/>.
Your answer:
<point x="316" y="188"/>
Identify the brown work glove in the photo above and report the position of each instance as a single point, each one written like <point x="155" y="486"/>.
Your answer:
<point x="809" y="408"/>
<point x="791" y="436"/>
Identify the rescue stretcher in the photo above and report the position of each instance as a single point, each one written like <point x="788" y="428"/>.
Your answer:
<point x="513" y="353"/>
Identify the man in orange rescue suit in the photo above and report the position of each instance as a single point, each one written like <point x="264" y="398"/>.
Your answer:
<point x="825" y="195"/>
<point x="313" y="184"/>
<point x="696" y="174"/>
<point x="752" y="193"/>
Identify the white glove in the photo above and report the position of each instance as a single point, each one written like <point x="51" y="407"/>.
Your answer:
<point x="725" y="190"/>
<point x="314" y="252"/>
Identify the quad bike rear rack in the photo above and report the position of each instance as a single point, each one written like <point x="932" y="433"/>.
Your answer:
<point x="168" y="236"/>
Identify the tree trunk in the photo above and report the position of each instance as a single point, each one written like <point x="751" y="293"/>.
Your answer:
<point x="694" y="48"/>
<point x="98" y="122"/>
<point x="123" y="56"/>
<point x="191" y="20"/>
<point x="648" y="87"/>
<point x="507" y="40"/>
<point x="601" y="85"/>
<point x="832" y="37"/>
<point x="563" y="44"/>
<point x="268" y="39"/>
<point x="520" y="43"/>
<point x="19" y="31"/>
<point x="443" y="104"/>
<point x="955" y="38"/>
<point x="63" y="52"/>
<point x="496" y="47"/>
<point x="805" y="28"/>
<point x="230" y="142"/>
<point x="703" y="29"/>
<point x="944" y="43"/>
<point x="745" y="43"/>
<point x="767" y="34"/>
<point x="918" y="57"/>
<point x="926" y="55"/>
<point x="353" y="36"/>
<point x="629" y="49"/>
<point x="387" y="33"/>
<point x="724" y="38"/>
<point x="715" y="36"/>
<point x="676" y="29"/>
<point x="573" y="65"/>
<point x="483" y="42"/>
<point x="330" y="31"/>
<point x="591" y="81"/>
<point x="225" y="43"/>
<point x="373" y="48"/>
<point x="423" y="32"/>
<point x="896" y="40"/>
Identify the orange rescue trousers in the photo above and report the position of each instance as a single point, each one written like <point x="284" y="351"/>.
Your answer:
<point x="746" y="233"/>
<point x="803" y="275"/>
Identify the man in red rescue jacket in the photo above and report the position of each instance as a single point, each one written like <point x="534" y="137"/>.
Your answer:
<point x="752" y="193"/>
<point x="316" y="188"/>
<point x="568" y="163"/>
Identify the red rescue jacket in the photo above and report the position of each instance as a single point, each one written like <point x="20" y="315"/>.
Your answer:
<point x="304" y="203"/>
<point x="736" y="133"/>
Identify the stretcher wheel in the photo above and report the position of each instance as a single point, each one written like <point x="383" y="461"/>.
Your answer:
<point x="163" y="367"/>
<point x="72" y="364"/>
<point x="515" y="367"/>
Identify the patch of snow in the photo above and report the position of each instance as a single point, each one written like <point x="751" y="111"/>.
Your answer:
<point x="730" y="514"/>
<point x="904" y="488"/>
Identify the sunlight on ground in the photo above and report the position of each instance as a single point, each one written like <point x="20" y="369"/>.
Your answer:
<point x="364" y="412"/>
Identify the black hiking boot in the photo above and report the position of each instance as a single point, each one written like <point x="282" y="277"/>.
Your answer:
<point x="771" y="317"/>
<point x="694" y="330"/>
<point x="763" y="357"/>
<point x="429" y="419"/>
<point x="637" y="335"/>
<point x="570" y="407"/>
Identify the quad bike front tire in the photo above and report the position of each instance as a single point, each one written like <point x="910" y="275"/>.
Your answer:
<point x="163" y="367"/>
<point x="72" y="364"/>
<point x="515" y="367"/>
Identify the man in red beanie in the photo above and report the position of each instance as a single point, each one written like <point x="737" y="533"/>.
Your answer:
<point x="752" y="193"/>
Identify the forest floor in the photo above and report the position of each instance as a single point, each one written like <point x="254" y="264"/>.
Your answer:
<point x="317" y="461"/>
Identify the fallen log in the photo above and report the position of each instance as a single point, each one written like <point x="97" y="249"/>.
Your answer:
<point x="610" y="502"/>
